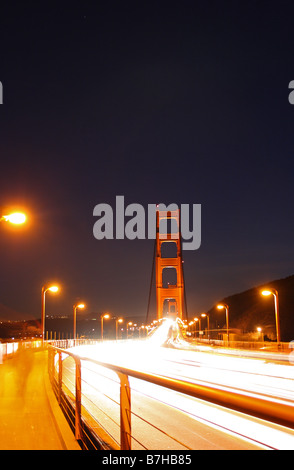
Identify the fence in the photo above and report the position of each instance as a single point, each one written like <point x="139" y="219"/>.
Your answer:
<point x="98" y="434"/>
<point x="9" y="349"/>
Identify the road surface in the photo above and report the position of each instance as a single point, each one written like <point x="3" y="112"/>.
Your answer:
<point x="192" y="423"/>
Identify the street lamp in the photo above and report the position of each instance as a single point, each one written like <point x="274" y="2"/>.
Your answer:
<point x="131" y="323"/>
<point x="274" y="292"/>
<point x="207" y="316"/>
<point x="106" y="316"/>
<point x="16" y="218"/>
<point x="44" y="290"/>
<point x="221" y="307"/>
<point x="196" y="319"/>
<point x="117" y="321"/>
<point x="75" y="317"/>
<point x="259" y="331"/>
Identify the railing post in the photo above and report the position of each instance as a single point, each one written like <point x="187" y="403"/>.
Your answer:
<point x="125" y="413"/>
<point x="49" y="363"/>
<point x="59" y="376"/>
<point x="51" y="355"/>
<point x="78" y="411"/>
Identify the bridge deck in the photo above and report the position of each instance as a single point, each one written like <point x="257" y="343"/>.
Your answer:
<point x="30" y="418"/>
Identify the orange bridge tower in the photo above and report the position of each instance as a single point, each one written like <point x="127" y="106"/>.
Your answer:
<point x="169" y="267"/>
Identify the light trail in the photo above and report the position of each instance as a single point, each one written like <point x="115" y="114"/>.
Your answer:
<point x="248" y="376"/>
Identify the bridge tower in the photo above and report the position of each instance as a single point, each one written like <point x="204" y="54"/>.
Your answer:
<point x="169" y="295"/>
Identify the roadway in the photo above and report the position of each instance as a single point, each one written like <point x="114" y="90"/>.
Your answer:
<point x="193" y="423"/>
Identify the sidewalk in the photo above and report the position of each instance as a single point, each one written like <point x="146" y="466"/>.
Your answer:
<point x="30" y="418"/>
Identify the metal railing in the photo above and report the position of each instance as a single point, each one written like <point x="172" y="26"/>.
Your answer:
<point x="248" y="345"/>
<point x="92" y="435"/>
<point x="9" y="349"/>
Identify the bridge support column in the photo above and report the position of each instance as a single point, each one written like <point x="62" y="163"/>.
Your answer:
<point x="169" y="296"/>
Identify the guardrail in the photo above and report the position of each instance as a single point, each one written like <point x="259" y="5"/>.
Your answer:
<point x="271" y="346"/>
<point x="279" y="412"/>
<point x="11" y="348"/>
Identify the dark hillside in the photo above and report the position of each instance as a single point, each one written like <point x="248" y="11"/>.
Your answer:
<point x="249" y="309"/>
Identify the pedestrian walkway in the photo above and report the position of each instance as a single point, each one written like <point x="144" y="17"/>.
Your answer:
<point x="30" y="417"/>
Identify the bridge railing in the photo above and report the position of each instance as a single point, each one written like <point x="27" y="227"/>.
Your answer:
<point x="246" y="345"/>
<point x="92" y="434"/>
<point x="9" y="349"/>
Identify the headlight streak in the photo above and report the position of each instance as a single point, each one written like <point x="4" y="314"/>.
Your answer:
<point x="105" y="419"/>
<point x="96" y="397"/>
<point x="266" y="385"/>
<point x="250" y="377"/>
<point x="159" y="429"/>
<point x="273" y="436"/>
<point x="194" y="414"/>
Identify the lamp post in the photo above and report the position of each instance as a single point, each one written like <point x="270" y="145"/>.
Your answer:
<point x="106" y="316"/>
<point x="274" y="292"/>
<point x="220" y="307"/>
<point x="130" y="323"/>
<point x="260" y="335"/>
<point x="117" y="321"/>
<point x="207" y="316"/>
<point x="75" y="318"/>
<point x="196" y="319"/>
<point x="191" y="323"/>
<point x="44" y="290"/>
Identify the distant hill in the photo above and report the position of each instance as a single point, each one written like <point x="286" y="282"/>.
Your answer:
<point x="249" y="310"/>
<point x="9" y="314"/>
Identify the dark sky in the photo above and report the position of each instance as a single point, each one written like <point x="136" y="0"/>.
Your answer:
<point x="183" y="102"/>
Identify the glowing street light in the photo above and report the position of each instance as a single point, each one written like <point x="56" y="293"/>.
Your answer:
<point x="75" y="317"/>
<point x="44" y="290"/>
<point x="274" y="292"/>
<point x="221" y="307"/>
<point x="196" y="319"/>
<point x="131" y="323"/>
<point x="53" y="289"/>
<point x="260" y="335"/>
<point x="16" y="218"/>
<point x="106" y="316"/>
<point x="207" y="316"/>
<point x="117" y="321"/>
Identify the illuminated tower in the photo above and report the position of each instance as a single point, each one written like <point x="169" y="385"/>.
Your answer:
<point x="169" y="269"/>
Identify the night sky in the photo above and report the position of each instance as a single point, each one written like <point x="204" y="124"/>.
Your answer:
<point x="183" y="102"/>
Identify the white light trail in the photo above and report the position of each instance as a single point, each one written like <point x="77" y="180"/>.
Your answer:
<point x="246" y="375"/>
